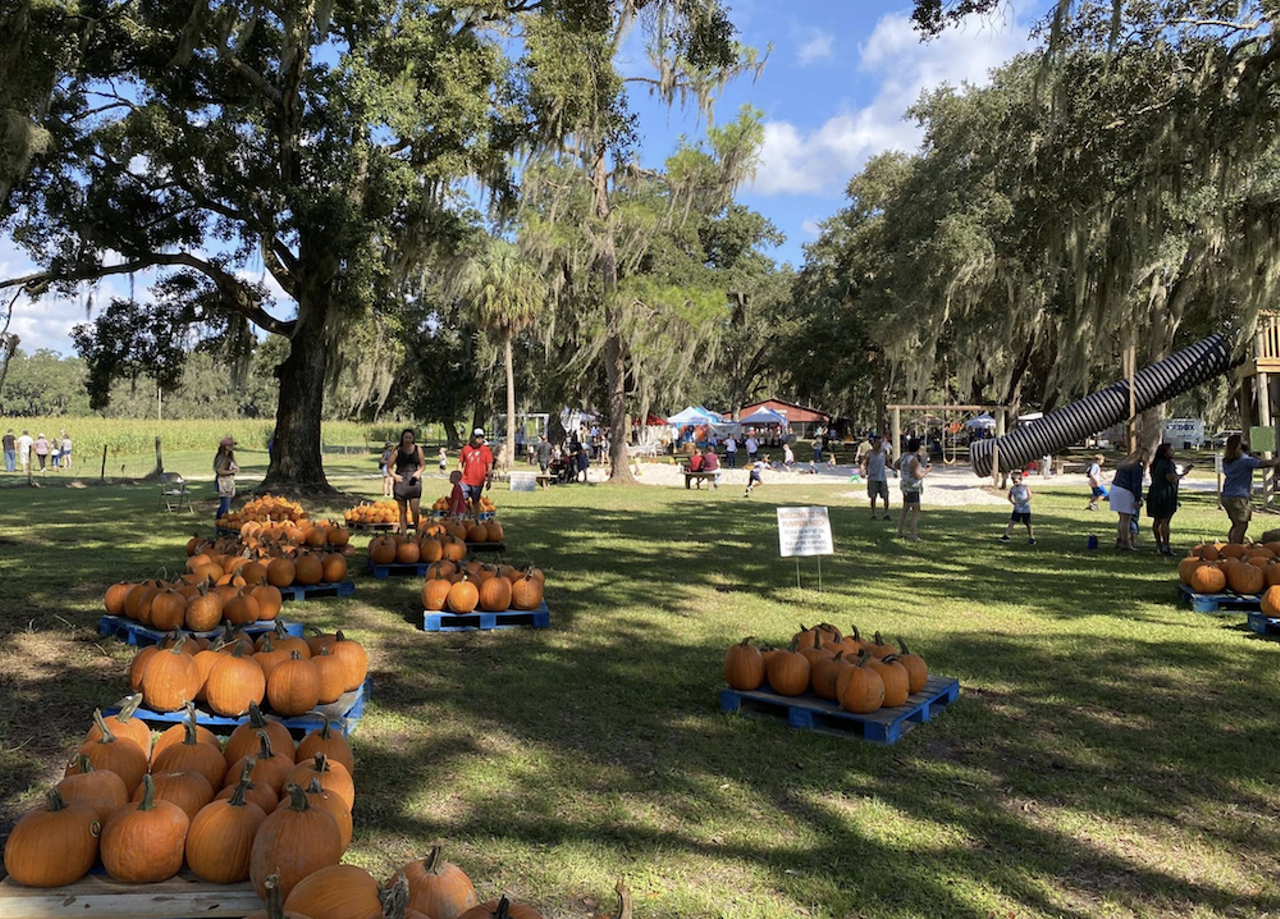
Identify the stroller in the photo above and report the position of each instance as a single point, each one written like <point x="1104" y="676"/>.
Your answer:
<point x="561" y="470"/>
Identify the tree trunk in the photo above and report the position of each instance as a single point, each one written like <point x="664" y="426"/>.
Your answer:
<point x="296" y="461"/>
<point x="614" y="353"/>
<point x="509" y="442"/>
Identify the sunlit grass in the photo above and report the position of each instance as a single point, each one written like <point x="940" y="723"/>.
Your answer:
<point x="1110" y="755"/>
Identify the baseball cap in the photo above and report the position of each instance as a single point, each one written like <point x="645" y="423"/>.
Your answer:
<point x="227" y="442"/>
<point x="478" y="432"/>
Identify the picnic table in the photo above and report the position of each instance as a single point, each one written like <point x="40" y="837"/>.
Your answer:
<point x="690" y="476"/>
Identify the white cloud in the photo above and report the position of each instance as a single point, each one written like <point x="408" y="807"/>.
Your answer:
<point x="811" y="227"/>
<point x="817" y="46"/>
<point x="820" y="160"/>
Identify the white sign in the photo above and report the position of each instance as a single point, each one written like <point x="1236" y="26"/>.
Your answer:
<point x="804" y="531"/>
<point x="524" y="481"/>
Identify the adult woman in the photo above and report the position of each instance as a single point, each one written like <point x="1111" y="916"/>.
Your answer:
<point x="1126" y="495"/>
<point x="912" y="468"/>
<point x="42" y="450"/>
<point x="407" y="466"/>
<point x="1162" y="496"/>
<point x="1237" y="485"/>
<point x="224" y="475"/>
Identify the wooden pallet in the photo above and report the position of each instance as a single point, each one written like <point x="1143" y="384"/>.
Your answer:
<point x="810" y="713"/>
<point x="486" y="547"/>
<point x="370" y="527"/>
<point x="343" y="714"/>
<point x="433" y="621"/>
<point x="135" y="633"/>
<point x="337" y="589"/>
<point x="1264" y="624"/>
<point x="100" y="897"/>
<point x="1222" y="604"/>
<point x="397" y="569"/>
<point x="225" y="531"/>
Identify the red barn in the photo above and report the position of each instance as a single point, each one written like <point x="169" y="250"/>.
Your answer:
<point x="802" y="420"/>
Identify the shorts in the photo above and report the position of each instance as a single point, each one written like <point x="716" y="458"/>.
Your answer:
<point x="911" y="497"/>
<point x="880" y="488"/>
<point x="473" y="492"/>
<point x="1098" y="491"/>
<point x="1123" y="501"/>
<point x="1021" y="517"/>
<point x="1238" y="509"/>
<point x="753" y="477"/>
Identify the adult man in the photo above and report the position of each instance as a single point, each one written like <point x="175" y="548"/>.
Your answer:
<point x="874" y="471"/>
<point x="543" y="453"/>
<point x="10" y="451"/>
<point x="24" y="450"/>
<point x="476" y="464"/>
<point x="753" y="447"/>
<point x="731" y="451"/>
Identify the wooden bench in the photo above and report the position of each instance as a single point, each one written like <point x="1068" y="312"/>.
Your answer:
<point x="699" y="477"/>
<point x="544" y="479"/>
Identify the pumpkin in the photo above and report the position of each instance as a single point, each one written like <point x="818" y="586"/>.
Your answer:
<point x="438" y="888"/>
<point x="1206" y="551"/>
<point x="221" y="837"/>
<point x="139" y="665"/>
<point x="146" y="843"/>
<point x="408" y="553"/>
<point x="854" y="643"/>
<point x="269" y="601"/>
<point x="258" y="793"/>
<point x="1207" y="579"/>
<point x="254" y="573"/>
<point x="526" y="591"/>
<point x="495" y="595"/>
<point x="337" y="808"/>
<point x="308" y="570"/>
<point x="1231" y="550"/>
<point x="1272" y="574"/>
<point x="743" y="666"/>
<point x="205" y="661"/>
<point x="282" y="640"/>
<point x="382" y="550"/>
<point x="334" y="777"/>
<point x="294" y="841"/>
<point x="463" y="596"/>
<point x="242" y="609"/>
<point x="178" y="734"/>
<point x="293" y="687"/>
<point x="54" y="844"/>
<point x="280" y="572"/>
<point x="168" y="610"/>
<point x="267" y="766"/>
<point x="234" y="682"/>
<point x="917" y="669"/>
<point x="336" y="892"/>
<point x="107" y="754"/>
<point x="814" y="652"/>
<point x="334" y="567"/>
<point x="1246" y="579"/>
<point x="859" y="688"/>
<point x="353" y="657"/>
<point x="244" y="739"/>
<point x="333" y="676"/>
<point x="1188" y="565"/>
<point x="103" y="791"/>
<point x="894" y="677"/>
<point x="824" y="672"/>
<point x="1271" y="602"/>
<point x="331" y="743"/>
<point x="189" y="790"/>
<point x="501" y="909"/>
<point x="435" y="591"/>
<point x="125" y="726"/>
<point x="319" y="639"/>
<point x="170" y="679"/>
<point x="880" y="648"/>
<point x="270" y="656"/>
<point x="193" y="756"/>
<point x="788" y="673"/>
<point x="396" y="903"/>
<point x="115" y="597"/>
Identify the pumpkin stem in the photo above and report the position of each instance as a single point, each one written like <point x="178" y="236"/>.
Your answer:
<point x="504" y="909"/>
<point x="238" y="650"/>
<point x="107" y="736"/>
<point x="318" y="632"/>
<point x="54" y="799"/>
<point x="255" y="716"/>
<point x="148" y="793"/>
<point x="429" y="864"/>
<point x="322" y="763"/>
<point x="295" y="656"/>
<point x="275" y="902"/>
<point x="397" y="900"/>
<point x="298" y="797"/>
<point x="838" y="655"/>
<point x="326" y="729"/>
<point x="793" y="645"/>
<point x="746" y="642"/>
<point x="82" y="764"/>
<point x="176" y="647"/>
<point x="903" y="645"/>
<point x="265" y="742"/>
<point x="856" y="635"/>
<point x="624" y="900"/>
<point x="128" y="706"/>
<point x="315" y="788"/>
<point x="237" y="796"/>
<point x="878" y="640"/>
<point x="280" y="631"/>
<point x="817" y="639"/>
<point x="267" y="645"/>
<point x="189" y="735"/>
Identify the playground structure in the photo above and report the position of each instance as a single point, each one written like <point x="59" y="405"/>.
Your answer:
<point x="1121" y="401"/>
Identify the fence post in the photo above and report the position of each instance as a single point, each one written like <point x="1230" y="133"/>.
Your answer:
<point x="159" y="459"/>
<point x="103" y="474"/>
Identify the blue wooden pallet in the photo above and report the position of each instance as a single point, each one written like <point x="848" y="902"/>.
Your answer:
<point x="343" y="714"/>
<point x="1264" y="624"/>
<point x="1222" y="603"/>
<point x="370" y="527"/>
<point x="397" y="569"/>
<point x="135" y="633"/>
<point x="337" y="589"/>
<point x="433" y="621"/>
<point x="486" y="547"/>
<point x="808" y="712"/>
<point x="225" y="531"/>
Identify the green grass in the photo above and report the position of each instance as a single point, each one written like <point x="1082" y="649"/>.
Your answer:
<point x="1110" y="755"/>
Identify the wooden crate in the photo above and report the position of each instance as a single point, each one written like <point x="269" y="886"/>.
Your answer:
<point x="99" y="897"/>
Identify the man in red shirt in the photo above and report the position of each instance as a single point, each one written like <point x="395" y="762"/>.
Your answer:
<point x="476" y="465"/>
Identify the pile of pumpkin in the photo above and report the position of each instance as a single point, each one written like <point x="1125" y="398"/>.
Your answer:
<point x="437" y="542"/>
<point x="463" y="588"/>
<point x="372" y="512"/>
<point x="233" y="674"/>
<point x="282" y="820"/>
<point x="483" y="506"/>
<point x="266" y="509"/>
<point x="193" y="603"/>
<point x="1214" y="567"/>
<point x="862" y="676"/>
<point x="305" y="555"/>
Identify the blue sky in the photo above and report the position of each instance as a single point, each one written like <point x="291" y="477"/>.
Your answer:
<point x="833" y="92"/>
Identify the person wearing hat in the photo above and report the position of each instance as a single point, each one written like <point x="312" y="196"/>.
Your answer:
<point x="475" y="462"/>
<point x="224" y="474"/>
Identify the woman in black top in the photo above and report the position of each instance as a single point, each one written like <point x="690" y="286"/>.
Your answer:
<point x="1162" y="496"/>
<point x="408" y="464"/>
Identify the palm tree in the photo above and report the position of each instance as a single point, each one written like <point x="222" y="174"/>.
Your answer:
<point x="507" y="293"/>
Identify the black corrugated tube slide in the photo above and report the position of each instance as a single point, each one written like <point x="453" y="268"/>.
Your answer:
<point x="1100" y="410"/>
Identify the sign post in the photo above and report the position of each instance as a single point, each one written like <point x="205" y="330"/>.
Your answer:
<point x="805" y="532"/>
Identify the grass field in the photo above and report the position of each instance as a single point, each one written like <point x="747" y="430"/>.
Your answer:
<point x="1110" y="755"/>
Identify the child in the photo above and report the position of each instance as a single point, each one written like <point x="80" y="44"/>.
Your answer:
<point x="754" y="478"/>
<point x="384" y="466"/>
<point x="444" y="460"/>
<point x="1020" y="498"/>
<point x="457" y="497"/>
<point x="1096" y="488"/>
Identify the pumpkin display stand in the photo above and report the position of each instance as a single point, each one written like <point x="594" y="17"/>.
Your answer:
<point x="397" y="569"/>
<point x="337" y="589"/>
<point x="101" y="897"/>
<point x="1223" y="603"/>
<point x="1264" y="624"/>
<point x="811" y="713"/>
<point x="135" y="633"/>
<point x="342" y="715"/>
<point x="438" y="621"/>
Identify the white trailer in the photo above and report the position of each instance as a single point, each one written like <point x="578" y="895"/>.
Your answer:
<point x="1184" y="433"/>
